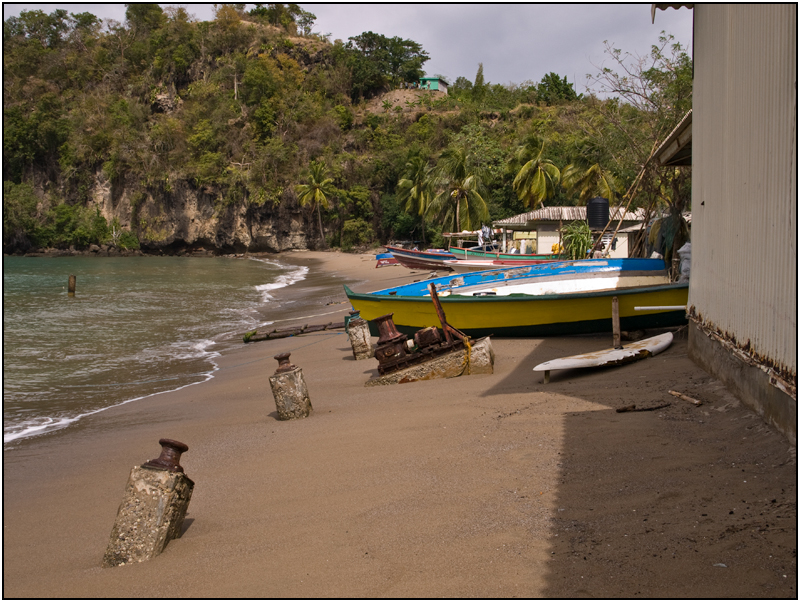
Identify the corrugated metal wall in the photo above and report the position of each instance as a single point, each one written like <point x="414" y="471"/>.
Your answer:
<point x="744" y="189"/>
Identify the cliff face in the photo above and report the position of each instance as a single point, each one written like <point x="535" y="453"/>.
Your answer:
<point x="182" y="216"/>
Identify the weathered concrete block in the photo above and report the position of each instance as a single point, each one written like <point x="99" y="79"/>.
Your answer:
<point x="150" y="515"/>
<point x="291" y="394"/>
<point x="479" y="359"/>
<point x="358" y="330"/>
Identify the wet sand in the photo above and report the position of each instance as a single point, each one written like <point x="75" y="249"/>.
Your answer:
<point x="480" y="486"/>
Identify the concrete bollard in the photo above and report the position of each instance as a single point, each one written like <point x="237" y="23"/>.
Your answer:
<point x="358" y="331"/>
<point x="289" y="390"/>
<point x="153" y="509"/>
<point x="478" y="359"/>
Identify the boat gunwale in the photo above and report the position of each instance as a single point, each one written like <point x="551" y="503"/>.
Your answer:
<point x="572" y="267"/>
<point x="455" y="298"/>
<point x="444" y="255"/>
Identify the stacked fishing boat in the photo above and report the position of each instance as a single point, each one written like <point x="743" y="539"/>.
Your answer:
<point x="562" y="297"/>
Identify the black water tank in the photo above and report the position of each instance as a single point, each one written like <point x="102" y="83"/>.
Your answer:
<point x="597" y="213"/>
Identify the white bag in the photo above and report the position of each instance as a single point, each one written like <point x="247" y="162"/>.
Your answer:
<point x="685" y="253"/>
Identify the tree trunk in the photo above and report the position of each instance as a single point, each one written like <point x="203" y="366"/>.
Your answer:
<point x="321" y="233"/>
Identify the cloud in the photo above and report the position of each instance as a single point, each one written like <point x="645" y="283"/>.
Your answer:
<point x="515" y="42"/>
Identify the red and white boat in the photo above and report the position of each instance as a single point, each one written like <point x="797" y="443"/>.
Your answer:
<point x="432" y="259"/>
<point x="477" y="265"/>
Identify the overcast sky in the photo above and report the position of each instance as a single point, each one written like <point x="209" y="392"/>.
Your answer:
<point x="515" y="42"/>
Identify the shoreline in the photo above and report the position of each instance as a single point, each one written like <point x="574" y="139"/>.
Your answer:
<point x="213" y="347"/>
<point x="480" y="486"/>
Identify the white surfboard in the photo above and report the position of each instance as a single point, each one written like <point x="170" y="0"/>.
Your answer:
<point x="609" y="357"/>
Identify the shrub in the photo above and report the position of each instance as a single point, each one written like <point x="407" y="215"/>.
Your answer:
<point x="577" y="239"/>
<point x="356" y="232"/>
<point x="344" y="117"/>
<point x="19" y="216"/>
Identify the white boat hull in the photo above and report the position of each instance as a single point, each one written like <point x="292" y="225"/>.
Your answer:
<point x="545" y="286"/>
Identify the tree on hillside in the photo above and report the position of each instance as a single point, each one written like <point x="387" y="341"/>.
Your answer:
<point x="37" y="25"/>
<point x="479" y="87"/>
<point x="459" y="205"/>
<point x="652" y="94"/>
<point x="316" y="192"/>
<point x="460" y="88"/>
<point x="377" y="62"/>
<point x="415" y="188"/>
<point x="288" y="16"/>
<point x="175" y="47"/>
<point x="590" y="181"/>
<point x="538" y="178"/>
<point x="144" y="17"/>
<point x="554" y="90"/>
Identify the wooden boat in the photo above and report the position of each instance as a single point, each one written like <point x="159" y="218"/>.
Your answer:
<point x="432" y="259"/>
<point x="461" y="266"/>
<point x="385" y="259"/>
<point x="509" y="280"/>
<point x="483" y="253"/>
<point x="564" y="281"/>
<point x="477" y="312"/>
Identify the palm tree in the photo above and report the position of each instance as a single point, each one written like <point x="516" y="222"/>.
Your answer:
<point x="590" y="182"/>
<point x="415" y="188"/>
<point x="317" y="191"/>
<point x="538" y="178"/>
<point x="459" y="205"/>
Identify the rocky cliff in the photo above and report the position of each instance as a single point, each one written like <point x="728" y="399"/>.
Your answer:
<point x="184" y="217"/>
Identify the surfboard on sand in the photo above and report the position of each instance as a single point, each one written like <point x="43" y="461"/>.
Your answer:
<point x="609" y="357"/>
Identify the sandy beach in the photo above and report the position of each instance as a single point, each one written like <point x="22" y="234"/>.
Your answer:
<point x="487" y="486"/>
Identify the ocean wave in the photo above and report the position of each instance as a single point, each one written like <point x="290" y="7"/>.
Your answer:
<point x="104" y="352"/>
<point x="46" y="424"/>
<point x="294" y="275"/>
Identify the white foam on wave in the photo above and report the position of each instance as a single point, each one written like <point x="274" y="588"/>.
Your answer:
<point x="182" y="350"/>
<point x="295" y="274"/>
<point x="195" y="350"/>
<point x="48" y="424"/>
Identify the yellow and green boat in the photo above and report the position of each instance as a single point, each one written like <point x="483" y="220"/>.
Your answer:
<point x="524" y="315"/>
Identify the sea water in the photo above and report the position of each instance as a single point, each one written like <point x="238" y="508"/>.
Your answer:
<point x="137" y="326"/>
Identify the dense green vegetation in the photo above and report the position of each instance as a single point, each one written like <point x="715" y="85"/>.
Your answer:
<point x="255" y="110"/>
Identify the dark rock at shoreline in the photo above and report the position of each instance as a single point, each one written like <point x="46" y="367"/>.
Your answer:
<point x="90" y="252"/>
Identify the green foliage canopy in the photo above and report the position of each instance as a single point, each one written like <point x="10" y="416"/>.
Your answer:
<point x="241" y="108"/>
<point x="377" y="62"/>
<point x="554" y="89"/>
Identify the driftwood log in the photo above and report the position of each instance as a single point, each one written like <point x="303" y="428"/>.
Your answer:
<point x="289" y="331"/>
<point x="633" y="408"/>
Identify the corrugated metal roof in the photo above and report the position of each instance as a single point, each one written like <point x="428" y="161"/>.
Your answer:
<point x="677" y="147"/>
<point x="636" y="227"/>
<point x="435" y="78"/>
<point x="665" y="6"/>
<point x="567" y="214"/>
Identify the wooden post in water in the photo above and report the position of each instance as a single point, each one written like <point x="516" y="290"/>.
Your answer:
<point x="71" y="286"/>
<point x="615" y="322"/>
